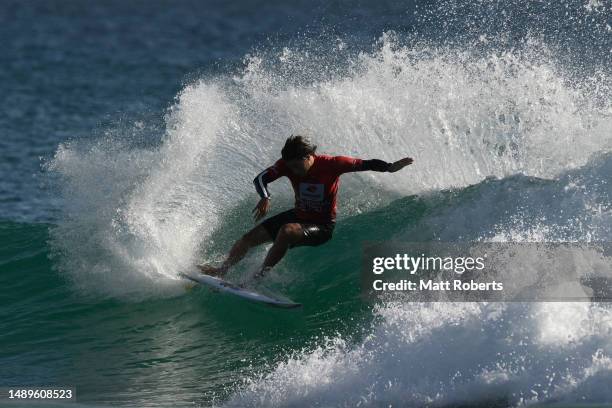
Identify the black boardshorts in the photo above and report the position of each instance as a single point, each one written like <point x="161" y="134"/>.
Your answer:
<point x="314" y="234"/>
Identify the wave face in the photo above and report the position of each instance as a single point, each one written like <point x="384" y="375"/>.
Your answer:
<point x="511" y="140"/>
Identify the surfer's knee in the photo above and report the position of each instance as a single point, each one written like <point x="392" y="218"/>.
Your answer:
<point x="289" y="233"/>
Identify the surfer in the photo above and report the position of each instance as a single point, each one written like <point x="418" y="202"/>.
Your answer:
<point x="315" y="180"/>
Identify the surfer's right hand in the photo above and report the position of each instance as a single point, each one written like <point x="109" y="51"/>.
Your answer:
<point x="261" y="209"/>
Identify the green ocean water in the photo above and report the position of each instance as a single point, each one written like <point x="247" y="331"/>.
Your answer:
<point x="197" y="346"/>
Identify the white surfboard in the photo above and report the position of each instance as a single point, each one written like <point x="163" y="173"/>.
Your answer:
<point x="233" y="289"/>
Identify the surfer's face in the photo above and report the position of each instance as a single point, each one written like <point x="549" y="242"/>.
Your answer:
<point x="300" y="167"/>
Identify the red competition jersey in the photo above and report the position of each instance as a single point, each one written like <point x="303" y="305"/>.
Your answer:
<point x="315" y="193"/>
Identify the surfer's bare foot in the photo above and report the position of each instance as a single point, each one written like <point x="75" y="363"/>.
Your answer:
<point x="211" y="270"/>
<point x="261" y="272"/>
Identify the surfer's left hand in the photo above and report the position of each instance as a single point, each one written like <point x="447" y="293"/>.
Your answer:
<point x="400" y="164"/>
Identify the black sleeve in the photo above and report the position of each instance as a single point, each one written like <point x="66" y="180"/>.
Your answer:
<point x="261" y="183"/>
<point x="375" y="165"/>
<point x="278" y="169"/>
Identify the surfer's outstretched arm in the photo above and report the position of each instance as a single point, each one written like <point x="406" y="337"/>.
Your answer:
<point x="400" y="164"/>
<point x="349" y="164"/>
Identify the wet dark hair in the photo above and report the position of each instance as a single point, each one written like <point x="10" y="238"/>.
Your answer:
<point x="297" y="147"/>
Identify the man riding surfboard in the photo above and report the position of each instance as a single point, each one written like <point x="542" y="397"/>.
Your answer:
<point x="315" y="179"/>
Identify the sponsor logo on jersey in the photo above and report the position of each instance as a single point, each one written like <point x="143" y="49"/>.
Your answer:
<point x="311" y="192"/>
